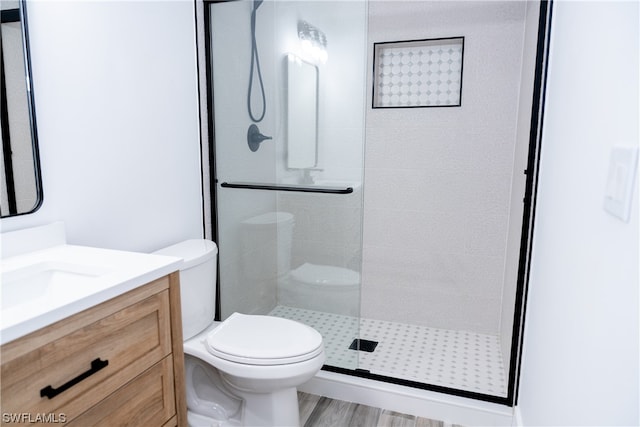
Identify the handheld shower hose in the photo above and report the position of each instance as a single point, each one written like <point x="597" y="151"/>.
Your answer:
<point x="255" y="64"/>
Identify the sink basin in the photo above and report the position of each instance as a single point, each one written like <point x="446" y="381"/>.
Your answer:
<point x="51" y="280"/>
<point x="45" y="280"/>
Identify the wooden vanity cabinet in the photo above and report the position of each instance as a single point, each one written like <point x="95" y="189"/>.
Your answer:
<point x="119" y="363"/>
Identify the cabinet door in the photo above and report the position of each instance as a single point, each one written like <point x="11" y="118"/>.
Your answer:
<point x="126" y="342"/>
<point x="148" y="400"/>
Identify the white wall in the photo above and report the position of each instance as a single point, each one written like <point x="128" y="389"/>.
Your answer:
<point x="580" y="362"/>
<point x="116" y="103"/>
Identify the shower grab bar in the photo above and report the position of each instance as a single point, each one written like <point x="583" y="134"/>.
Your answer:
<point x="288" y="187"/>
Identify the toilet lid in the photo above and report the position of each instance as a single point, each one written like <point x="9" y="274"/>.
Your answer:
<point x="263" y="340"/>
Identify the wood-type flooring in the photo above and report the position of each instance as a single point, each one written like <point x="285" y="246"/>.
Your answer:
<point x="318" y="411"/>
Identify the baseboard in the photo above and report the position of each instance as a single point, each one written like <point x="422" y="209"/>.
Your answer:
<point x="408" y="400"/>
<point x="517" y="417"/>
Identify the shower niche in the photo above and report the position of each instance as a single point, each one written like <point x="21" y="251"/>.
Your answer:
<point x="401" y="234"/>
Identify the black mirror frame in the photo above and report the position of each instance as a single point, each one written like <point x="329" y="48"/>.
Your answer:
<point x="22" y="17"/>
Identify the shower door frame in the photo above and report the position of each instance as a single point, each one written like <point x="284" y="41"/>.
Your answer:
<point x="529" y="202"/>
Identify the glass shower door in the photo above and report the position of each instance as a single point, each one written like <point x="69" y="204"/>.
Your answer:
<point x="288" y="105"/>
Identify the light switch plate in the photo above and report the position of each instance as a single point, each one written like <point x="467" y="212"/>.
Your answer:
<point x="620" y="182"/>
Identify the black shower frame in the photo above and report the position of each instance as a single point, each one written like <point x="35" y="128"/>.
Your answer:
<point x="529" y="201"/>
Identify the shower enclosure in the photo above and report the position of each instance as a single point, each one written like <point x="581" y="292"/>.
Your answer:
<point x="370" y="162"/>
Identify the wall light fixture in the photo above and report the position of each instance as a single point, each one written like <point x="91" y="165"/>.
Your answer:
<point x="313" y="42"/>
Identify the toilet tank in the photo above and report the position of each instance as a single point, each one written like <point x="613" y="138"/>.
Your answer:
<point x="266" y="241"/>
<point x="197" y="283"/>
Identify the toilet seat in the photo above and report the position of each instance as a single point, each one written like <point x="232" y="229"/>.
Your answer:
<point x="263" y="340"/>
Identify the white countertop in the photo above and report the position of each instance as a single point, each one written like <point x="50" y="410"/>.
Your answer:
<point x="47" y="285"/>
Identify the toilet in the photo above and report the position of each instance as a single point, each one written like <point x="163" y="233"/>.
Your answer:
<point x="311" y="286"/>
<point x="245" y="370"/>
<point x="325" y="288"/>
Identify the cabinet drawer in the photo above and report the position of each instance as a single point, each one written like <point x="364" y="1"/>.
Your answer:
<point x="131" y="339"/>
<point x="148" y="400"/>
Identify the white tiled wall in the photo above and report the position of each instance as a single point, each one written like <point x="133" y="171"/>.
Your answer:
<point x="327" y="228"/>
<point x="438" y="180"/>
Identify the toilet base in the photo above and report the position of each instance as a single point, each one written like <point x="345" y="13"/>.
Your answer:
<point x="279" y="408"/>
<point x="197" y="420"/>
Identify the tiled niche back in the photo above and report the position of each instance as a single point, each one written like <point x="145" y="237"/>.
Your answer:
<point x="420" y="73"/>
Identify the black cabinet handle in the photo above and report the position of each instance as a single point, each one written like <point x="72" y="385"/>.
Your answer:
<point x="51" y="392"/>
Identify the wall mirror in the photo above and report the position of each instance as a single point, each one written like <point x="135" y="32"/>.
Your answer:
<point x="302" y="113"/>
<point x="21" y="190"/>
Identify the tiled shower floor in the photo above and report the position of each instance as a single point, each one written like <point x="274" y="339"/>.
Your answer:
<point x="455" y="359"/>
